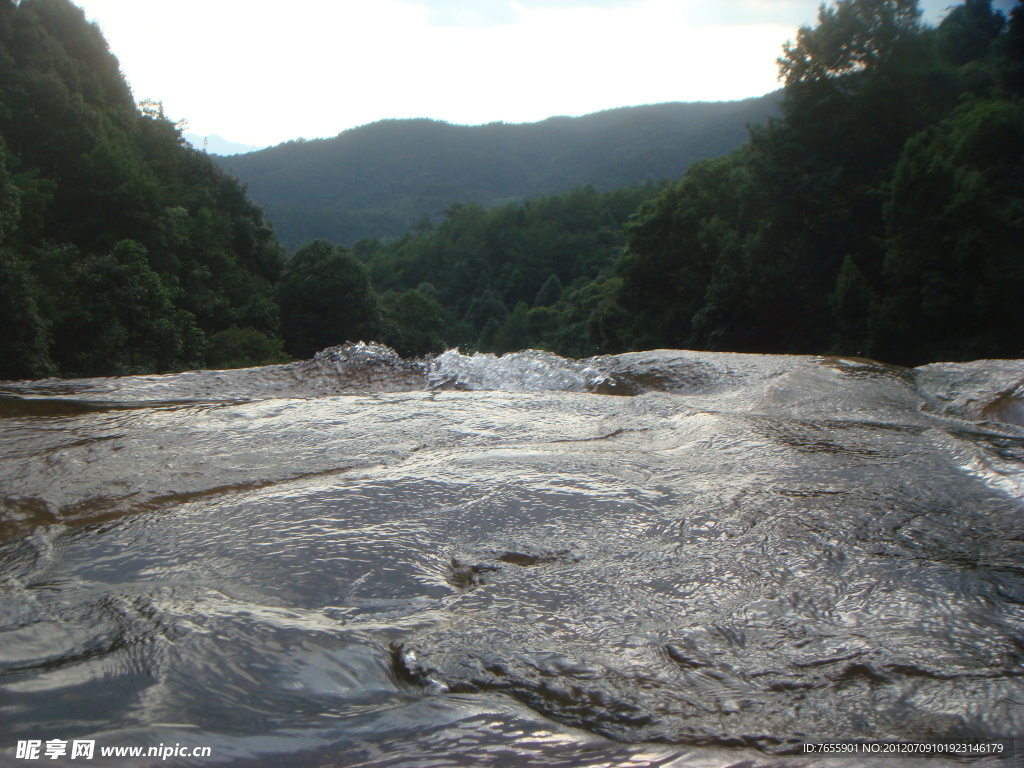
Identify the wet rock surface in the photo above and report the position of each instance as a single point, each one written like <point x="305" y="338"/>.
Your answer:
<point x="360" y="560"/>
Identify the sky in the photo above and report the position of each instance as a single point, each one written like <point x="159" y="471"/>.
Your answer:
<point x="260" y="72"/>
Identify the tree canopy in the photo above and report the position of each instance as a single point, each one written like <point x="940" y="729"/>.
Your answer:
<point x="880" y="213"/>
<point x="378" y="180"/>
<point x="521" y="275"/>
<point x="123" y="249"/>
<point x="326" y="299"/>
<point x="875" y="217"/>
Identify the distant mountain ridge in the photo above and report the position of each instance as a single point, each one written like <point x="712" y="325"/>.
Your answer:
<point x="380" y="179"/>
<point x="218" y="145"/>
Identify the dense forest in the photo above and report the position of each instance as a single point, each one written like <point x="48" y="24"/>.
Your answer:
<point x="881" y="213"/>
<point x="531" y="274"/>
<point x="121" y="249"/>
<point x="379" y="180"/>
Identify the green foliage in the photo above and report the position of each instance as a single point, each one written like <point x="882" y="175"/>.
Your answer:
<point x="851" y="305"/>
<point x="514" y="333"/>
<point x="877" y="215"/>
<point x="124" y="320"/>
<point x="880" y="214"/>
<point x="326" y="299"/>
<point x="953" y="270"/>
<point x="379" y="180"/>
<point x="10" y="199"/>
<point x="852" y="38"/>
<point x="1010" y="49"/>
<point x="244" y="348"/>
<point x="968" y="31"/>
<point x="527" y="256"/>
<point x="549" y="293"/>
<point x="413" y="323"/>
<point x="86" y="172"/>
<point x="25" y="340"/>
<point x="674" y="241"/>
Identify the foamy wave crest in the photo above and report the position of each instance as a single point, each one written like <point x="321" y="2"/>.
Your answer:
<point x="365" y="368"/>
<point x="531" y="370"/>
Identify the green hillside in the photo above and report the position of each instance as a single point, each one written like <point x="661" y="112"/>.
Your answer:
<point x="881" y="214"/>
<point x="122" y="249"/>
<point x="874" y="207"/>
<point x="381" y="179"/>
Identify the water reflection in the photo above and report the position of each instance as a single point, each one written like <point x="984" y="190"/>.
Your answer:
<point x="746" y="555"/>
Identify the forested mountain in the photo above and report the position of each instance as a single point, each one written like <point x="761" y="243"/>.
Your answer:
<point x="530" y="274"/>
<point x="882" y="213"/>
<point x="122" y="249"/>
<point x="381" y="179"/>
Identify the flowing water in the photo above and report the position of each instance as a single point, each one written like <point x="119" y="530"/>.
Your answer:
<point x="653" y="559"/>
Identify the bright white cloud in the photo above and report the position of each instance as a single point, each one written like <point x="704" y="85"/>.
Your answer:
<point x="261" y="72"/>
<point x="484" y="13"/>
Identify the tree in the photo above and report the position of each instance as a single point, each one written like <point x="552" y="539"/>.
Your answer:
<point x="325" y="299"/>
<point x="674" y="243"/>
<point x="852" y="36"/>
<point x="549" y="293"/>
<point x="484" y="262"/>
<point x="1011" y="51"/>
<point x="24" y="341"/>
<point x="968" y="31"/>
<point x="851" y="305"/>
<point x="243" y="348"/>
<point x="860" y="83"/>
<point x="92" y="172"/>
<point x="413" y="323"/>
<point x="122" y="320"/>
<point x="953" y="268"/>
<point x="780" y="246"/>
<point x="514" y="333"/>
<point x="10" y="198"/>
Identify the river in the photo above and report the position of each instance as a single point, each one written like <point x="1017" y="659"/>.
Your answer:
<point x="653" y="559"/>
